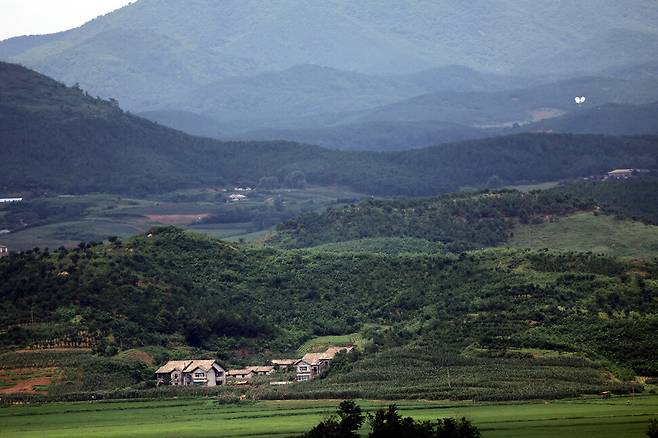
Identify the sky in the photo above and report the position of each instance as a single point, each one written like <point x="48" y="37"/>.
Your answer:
<point x="33" y="17"/>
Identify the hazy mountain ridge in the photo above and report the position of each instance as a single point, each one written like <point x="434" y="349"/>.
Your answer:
<point x="135" y="53"/>
<point x="58" y="138"/>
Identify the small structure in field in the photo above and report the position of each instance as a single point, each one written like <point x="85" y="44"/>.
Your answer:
<point x="191" y="372"/>
<point x="262" y="370"/>
<point x="313" y="364"/>
<point x="4" y="251"/>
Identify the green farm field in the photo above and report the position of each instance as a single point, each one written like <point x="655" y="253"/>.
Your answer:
<point x="616" y="417"/>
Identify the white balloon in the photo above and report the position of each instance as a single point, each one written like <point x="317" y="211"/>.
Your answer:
<point x="583" y="99"/>
<point x="577" y="99"/>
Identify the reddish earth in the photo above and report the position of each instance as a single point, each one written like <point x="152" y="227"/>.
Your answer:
<point x="26" y="379"/>
<point x="177" y="219"/>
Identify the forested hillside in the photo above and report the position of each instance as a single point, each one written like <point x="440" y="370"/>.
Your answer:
<point x="467" y="221"/>
<point x="170" y="287"/>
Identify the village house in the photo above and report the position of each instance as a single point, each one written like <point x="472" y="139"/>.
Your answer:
<point x="262" y="370"/>
<point x="191" y="372"/>
<point x="284" y="363"/>
<point x="10" y="200"/>
<point x="313" y="364"/>
<point x="621" y="173"/>
<point x="4" y="251"/>
<point x="244" y="374"/>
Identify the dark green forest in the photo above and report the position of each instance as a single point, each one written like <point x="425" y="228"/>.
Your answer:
<point x="58" y="138"/>
<point x="470" y="220"/>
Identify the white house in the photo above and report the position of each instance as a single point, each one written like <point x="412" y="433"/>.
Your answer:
<point x="313" y="364"/>
<point x="191" y="372"/>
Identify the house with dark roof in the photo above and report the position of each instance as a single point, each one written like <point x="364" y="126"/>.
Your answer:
<point x="191" y="372"/>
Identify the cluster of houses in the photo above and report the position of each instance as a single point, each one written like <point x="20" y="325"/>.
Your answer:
<point x="210" y="373"/>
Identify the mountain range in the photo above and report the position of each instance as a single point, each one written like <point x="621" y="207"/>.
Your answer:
<point x="62" y="139"/>
<point x="305" y="71"/>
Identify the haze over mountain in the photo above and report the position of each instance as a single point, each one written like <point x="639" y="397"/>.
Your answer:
<point x="60" y="139"/>
<point x="254" y="65"/>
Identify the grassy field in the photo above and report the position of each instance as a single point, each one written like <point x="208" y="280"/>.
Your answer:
<point x="110" y="215"/>
<point x="616" y="417"/>
<point x="587" y="232"/>
<point x="323" y="342"/>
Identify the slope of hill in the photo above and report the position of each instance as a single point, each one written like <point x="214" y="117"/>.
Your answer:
<point x="504" y="108"/>
<point x="169" y="287"/>
<point x="176" y="47"/>
<point x="610" y="119"/>
<point x="467" y="221"/>
<point x="59" y="138"/>
<point x="378" y="136"/>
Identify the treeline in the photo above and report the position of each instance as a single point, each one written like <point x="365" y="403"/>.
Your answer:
<point x="59" y="139"/>
<point x="461" y="222"/>
<point x="635" y="198"/>
<point x="470" y="220"/>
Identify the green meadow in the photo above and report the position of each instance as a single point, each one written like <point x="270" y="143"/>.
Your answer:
<point x="615" y="417"/>
<point x="588" y="232"/>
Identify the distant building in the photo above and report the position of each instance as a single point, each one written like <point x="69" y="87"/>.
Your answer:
<point x="313" y="364"/>
<point x="4" y="251"/>
<point x="242" y="375"/>
<point x="284" y="363"/>
<point x="621" y="173"/>
<point x="10" y="200"/>
<point x="191" y="372"/>
<point x="237" y="197"/>
<point x="262" y="370"/>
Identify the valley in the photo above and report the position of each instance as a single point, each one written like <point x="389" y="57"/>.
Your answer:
<point x="277" y="218"/>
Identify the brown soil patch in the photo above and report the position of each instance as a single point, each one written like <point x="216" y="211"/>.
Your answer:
<point x="545" y="113"/>
<point x="26" y="379"/>
<point x="55" y="350"/>
<point x="177" y="219"/>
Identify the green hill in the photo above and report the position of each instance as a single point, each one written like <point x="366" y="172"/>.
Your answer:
<point x="589" y="232"/>
<point x="476" y="220"/>
<point x="610" y="119"/>
<point x="61" y="139"/>
<point x="474" y="312"/>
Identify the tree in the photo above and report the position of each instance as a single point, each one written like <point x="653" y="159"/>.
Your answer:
<point x="268" y="183"/>
<point x="344" y="424"/>
<point x="652" y="432"/>
<point x="295" y="180"/>
<point x="388" y="423"/>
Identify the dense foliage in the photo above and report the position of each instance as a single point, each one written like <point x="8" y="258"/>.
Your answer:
<point x="460" y="221"/>
<point x="635" y="198"/>
<point x="171" y="287"/>
<point x="467" y="221"/>
<point x="61" y="139"/>
<point x="388" y="423"/>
